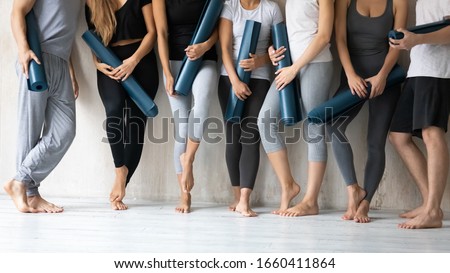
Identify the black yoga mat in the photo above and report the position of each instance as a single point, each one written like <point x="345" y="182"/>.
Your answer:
<point x="205" y="27"/>
<point x="36" y="73"/>
<point x="345" y="101"/>
<point x="135" y="91"/>
<point x="235" y="106"/>
<point x="422" y="29"/>
<point x="289" y="96"/>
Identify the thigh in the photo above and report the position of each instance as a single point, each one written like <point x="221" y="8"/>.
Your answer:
<point x="255" y="101"/>
<point x="112" y="94"/>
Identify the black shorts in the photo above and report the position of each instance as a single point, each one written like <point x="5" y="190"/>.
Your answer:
<point x="424" y="102"/>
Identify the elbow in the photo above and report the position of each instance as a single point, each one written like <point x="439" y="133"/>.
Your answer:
<point x="323" y="38"/>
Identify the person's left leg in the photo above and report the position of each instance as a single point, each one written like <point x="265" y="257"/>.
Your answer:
<point x="381" y="110"/>
<point x="438" y="164"/>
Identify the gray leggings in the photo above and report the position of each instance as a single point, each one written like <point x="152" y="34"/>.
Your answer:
<point x="381" y="110"/>
<point x="315" y="85"/>
<point x="189" y="116"/>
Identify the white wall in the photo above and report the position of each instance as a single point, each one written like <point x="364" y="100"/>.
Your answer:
<point x="87" y="169"/>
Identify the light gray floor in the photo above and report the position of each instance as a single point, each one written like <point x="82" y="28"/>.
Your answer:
<point x="88" y="225"/>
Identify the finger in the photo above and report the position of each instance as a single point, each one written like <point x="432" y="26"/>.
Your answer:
<point x="124" y="78"/>
<point x="35" y="58"/>
<point x="25" y="70"/>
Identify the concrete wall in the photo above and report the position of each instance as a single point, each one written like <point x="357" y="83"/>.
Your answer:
<point x="87" y="169"/>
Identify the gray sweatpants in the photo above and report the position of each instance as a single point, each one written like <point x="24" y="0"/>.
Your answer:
<point x="315" y="85"/>
<point x="46" y="123"/>
<point x="189" y="116"/>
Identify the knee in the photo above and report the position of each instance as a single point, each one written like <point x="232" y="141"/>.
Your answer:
<point x="399" y="140"/>
<point x="433" y="136"/>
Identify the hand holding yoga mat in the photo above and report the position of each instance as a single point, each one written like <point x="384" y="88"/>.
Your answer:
<point x="289" y="96"/>
<point x="134" y="90"/>
<point x="422" y="29"/>
<point x="235" y="106"/>
<point x="36" y="73"/>
<point x="205" y="27"/>
<point x="345" y="101"/>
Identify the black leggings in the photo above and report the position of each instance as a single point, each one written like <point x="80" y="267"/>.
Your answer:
<point x="242" y="147"/>
<point x="125" y="122"/>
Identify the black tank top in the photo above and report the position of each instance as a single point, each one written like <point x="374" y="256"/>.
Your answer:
<point x="182" y="19"/>
<point x="367" y="39"/>
<point x="130" y="21"/>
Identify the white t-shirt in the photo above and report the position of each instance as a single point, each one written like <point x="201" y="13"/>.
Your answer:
<point x="267" y="13"/>
<point x="302" y="23"/>
<point x="430" y="60"/>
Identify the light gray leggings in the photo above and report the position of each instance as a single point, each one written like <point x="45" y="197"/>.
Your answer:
<point x="189" y="116"/>
<point x="315" y="85"/>
<point x="46" y="124"/>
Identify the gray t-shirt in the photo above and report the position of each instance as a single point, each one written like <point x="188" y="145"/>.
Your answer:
<point x="57" y="21"/>
<point x="267" y="13"/>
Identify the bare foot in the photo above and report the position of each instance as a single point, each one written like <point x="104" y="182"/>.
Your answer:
<point x="355" y="195"/>
<point x="412" y="213"/>
<point x="17" y="191"/>
<point x="39" y="204"/>
<point x="118" y="205"/>
<point x="185" y="203"/>
<point x="425" y="219"/>
<point x="245" y="210"/>
<point x="301" y="209"/>
<point x="118" y="190"/>
<point x="287" y="194"/>
<point x="187" y="178"/>
<point x="232" y="206"/>
<point x="362" y="214"/>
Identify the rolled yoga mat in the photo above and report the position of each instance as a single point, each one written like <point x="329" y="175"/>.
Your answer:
<point x="289" y="96"/>
<point x="36" y="73"/>
<point x="422" y="29"/>
<point x="235" y="106"/>
<point x="134" y="90"/>
<point x="205" y="27"/>
<point x="345" y="101"/>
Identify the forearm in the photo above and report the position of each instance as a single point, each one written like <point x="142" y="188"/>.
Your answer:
<point x="440" y="37"/>
<point x="311" y="52"/>
<point x="163" y="52"/>
<point x="212" y="40"/>
<point x="19" y="29"/>
<point x="145" y="47"/>
<point x="229" y="65"/>
<point x="389" y="62"/>
<point x="72" y="70"/>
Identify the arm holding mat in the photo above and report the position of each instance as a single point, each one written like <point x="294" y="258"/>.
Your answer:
<point x="289" y="96"/>
<point x="205" y="27"/>
<point x="422" y="29"/>
<point x="235" y="106"/>
<point x="134" y="90"/>
<point x="36" y="73"/>
<point x="345" y="101"/>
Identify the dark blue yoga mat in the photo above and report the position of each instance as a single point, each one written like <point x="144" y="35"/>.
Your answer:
<point x="422" y="29"/>
<point x="345" y="101"/>
<point x="205" y="27"/>
<point x="289" y="96"/>
<point x="235" y="106"/>
<point x="134" y="90"/>
<point x="36" y="73"/>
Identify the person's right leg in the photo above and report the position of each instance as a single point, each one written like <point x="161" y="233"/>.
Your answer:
<point x="57" y="134"/>
<point x="31" y="114"/>
<point x="316" y="85"/>
<point x="233" y="144"/>
<point x="273" y="143"/>
<point x="203" y="88"/>
<point x="180" y="106"/>
<point x="344" y="158"/>
<point x="113" y="97"/>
